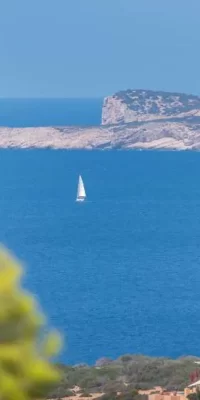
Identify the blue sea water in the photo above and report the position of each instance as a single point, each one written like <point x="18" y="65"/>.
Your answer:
<point x="120" y="273"/>
<point x="49" y="112"/>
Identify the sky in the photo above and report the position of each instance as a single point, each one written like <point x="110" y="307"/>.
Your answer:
<point x="93" y="48"/>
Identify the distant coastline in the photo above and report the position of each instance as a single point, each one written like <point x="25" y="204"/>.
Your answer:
<point x="128" y="373"/>
<point x="91" y="138"/>
<point x="131" y="120"/>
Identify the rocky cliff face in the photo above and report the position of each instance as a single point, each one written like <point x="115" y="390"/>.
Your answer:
<point x="146" y="105"/>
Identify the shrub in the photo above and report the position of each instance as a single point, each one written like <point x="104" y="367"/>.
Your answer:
<point x="26" y="372"/>
<point x="85" y="394"/>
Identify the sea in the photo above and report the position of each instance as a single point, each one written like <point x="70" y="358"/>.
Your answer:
<point x="119" y="273"/>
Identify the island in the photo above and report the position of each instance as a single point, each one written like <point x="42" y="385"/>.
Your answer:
<point x="131" y="119"/>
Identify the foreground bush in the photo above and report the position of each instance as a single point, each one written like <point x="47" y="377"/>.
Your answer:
<point x="25" y="370"/>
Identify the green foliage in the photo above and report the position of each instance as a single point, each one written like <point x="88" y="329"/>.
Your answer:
<point x="61" y="392"/>
<point x="126" y="358"/>
<point x="25" y="370"/>
<point x="68" y="393"/>
<point x="108" y="396"/>
<point x="172" y="103"/>
<point x="128" y="373"/>
<point x="85" y="394"/>
<point x="128" y="395"/>
<point x="194" y="396"/>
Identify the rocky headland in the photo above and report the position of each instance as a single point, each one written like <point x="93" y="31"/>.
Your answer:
<point x="131" y="119"/>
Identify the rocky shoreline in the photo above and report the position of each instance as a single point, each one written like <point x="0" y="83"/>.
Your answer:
<point x="149" y="136"/>
<point x="135" y="119"/>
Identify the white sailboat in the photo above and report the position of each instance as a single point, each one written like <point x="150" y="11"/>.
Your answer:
<point x="81" y="193"/>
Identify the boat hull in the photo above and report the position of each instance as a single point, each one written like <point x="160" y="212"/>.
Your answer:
<point x="80" y="199"/>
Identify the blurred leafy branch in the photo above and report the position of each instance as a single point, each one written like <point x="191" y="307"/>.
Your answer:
<point x="26" y="372"/>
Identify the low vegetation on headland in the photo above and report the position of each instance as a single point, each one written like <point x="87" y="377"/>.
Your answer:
<point x="126" y="375"/>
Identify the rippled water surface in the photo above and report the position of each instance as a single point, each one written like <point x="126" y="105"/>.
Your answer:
<point x="120" y="273"/>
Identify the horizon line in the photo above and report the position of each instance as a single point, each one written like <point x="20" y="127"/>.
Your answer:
<point x="52" y="98"/>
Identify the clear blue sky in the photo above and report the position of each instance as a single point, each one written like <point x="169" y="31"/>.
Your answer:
<point x="92" y="48"/>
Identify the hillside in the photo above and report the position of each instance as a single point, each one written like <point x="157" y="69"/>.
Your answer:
<point x="127" y="373"/>
<point x="147" y="105"/>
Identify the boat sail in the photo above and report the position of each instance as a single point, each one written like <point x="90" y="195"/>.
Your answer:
<point x="81" y="194"/>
